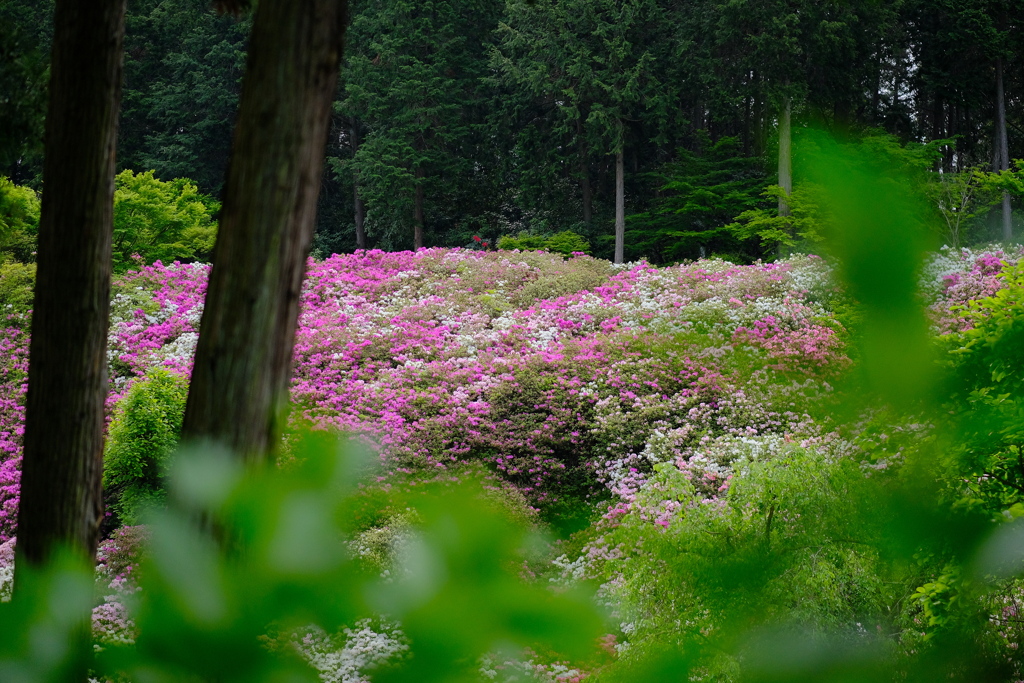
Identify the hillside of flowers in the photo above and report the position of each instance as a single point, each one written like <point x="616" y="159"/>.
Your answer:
<point x="628" y="397"/>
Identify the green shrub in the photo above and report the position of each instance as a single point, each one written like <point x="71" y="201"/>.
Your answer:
<point x="566" y="243"/>
<point x="156" y="220"/>
<point x="19" y="221"/>
<point x="144" y="431"/>
<point x="17" y="289"/>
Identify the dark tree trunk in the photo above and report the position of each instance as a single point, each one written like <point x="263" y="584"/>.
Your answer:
<point x="417" y="218"/>
<point x="61" y="496"/>
<point x="357" y="201"/>
<point x="1002" y="148"/>
<point x="62" y="471"/>
<point x="243" y="359"/>
<point x="620" y="207"/>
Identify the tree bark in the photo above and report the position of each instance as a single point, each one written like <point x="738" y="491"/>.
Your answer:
<point x="785" y="159"/>
<point x="357" y="201"/>
<point x="61" y="489"/>
<point x="1002" y="147"/>
<point x="417" y="228"/>
<point x="62" y="470"/>
<point x="243" y="358"/>
<point x="620" y="206"/>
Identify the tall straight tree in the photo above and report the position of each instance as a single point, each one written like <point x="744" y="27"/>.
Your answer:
<point x="597" y="66"/>
<point x="414" y="79"/>
<point x="243" y="358"/>
<point x="1003" y="148"/>
<point x="61" y="496"/>
<point x="61" y="485"/>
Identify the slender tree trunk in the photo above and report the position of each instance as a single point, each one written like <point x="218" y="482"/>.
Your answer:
<point x="585" y="189"/>
<point x="746" y="124"/>
<point x="417" y="218"/>
<point x="620" y="206"/>
<point x="1002" y="146"/>
<point x="785" y="160"/>
<point x="62" y="471"/>
<point x="243" y="359"/>
<point x="357" y="201"/>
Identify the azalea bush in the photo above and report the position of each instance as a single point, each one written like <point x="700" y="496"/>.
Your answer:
<point x="675" y="427"/>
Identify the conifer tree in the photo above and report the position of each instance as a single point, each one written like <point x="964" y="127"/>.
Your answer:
<point x="413" y="80"/>
<point x="594" y="68"/>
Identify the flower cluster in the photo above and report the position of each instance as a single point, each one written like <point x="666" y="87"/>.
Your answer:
<point x="556" y="372"/>
<point x="952" y="278"/>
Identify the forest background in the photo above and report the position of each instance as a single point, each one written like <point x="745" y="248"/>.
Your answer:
<point x="463" y="119"/>
<point x="569" y="99"/>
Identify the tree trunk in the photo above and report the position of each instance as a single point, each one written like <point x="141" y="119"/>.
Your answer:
<point x="357" y="201"/>
<point x="417" y="228"/>
<point x="585" y="190"/>
<point x="1002" y="147"/>
<point x="243" y="358"/>
<point x="785" y="160"/>
<point x="61" y="491"/>
<point x="620" y="206"/>
<point x="62" y="471"/>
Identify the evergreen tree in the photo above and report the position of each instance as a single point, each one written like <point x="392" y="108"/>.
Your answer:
<point x="183" y="69"/>
<point x="26" y="33"/>
<point x="595" y="68"/>
<point x="414" y="84"/>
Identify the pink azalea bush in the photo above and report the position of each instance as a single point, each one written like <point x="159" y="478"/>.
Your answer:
<point x="562" y="375"/>
<point x="954" y="277"/>
<point x="572" y="380"/>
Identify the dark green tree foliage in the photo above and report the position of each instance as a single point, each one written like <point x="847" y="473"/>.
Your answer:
<point x="183" y="68"/>
<point x="586" y="83"/>
<point x="701" y="194"/>
<point x="26" y="32"/>
<point x="956" y="43"/>
<point x="142" y="435"/>
<point x="413" y="82"/>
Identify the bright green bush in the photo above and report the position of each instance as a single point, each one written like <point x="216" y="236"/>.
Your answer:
<point x="19" y="221"/>
<point x="989" y="399"/>
<point x="156" y="220"/>
<point x="17" y="289"/>
<point x="566" y="243"/>
<point x="143" y="433"/>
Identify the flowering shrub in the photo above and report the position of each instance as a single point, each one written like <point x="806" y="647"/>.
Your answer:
<point x="953" y="278"/>
<point x="555" y="372"/>
<point x="683" y="401"/>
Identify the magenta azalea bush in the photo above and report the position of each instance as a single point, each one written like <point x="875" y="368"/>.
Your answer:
<point x="645" y="394"/>
<point x="568" y="377"/>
